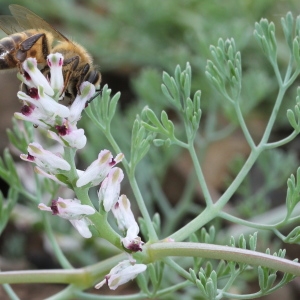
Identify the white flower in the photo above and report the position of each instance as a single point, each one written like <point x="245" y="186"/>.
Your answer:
<point x="110" y="188"/>
<point x="132" y="241"/>
<point x="122" y="273"/>
<point x="68" y="135"/>
<point x="74" y="211"/>
<point x="123" y="214"/>
<point x="82" y="226"/>
<point x="45" y="159"/>
<point x="55" y="62"/>
<point x="34" y="75"/>
<point x="87" y="90"/>
<point x="48" y="105"/>
<point x="126" y="222"/>
<point x="41" y="106"/>
<point x="35" y="115"/>
<point x="99" y="169"/>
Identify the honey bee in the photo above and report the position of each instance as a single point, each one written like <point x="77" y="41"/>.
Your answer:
<point x="31" y="36"/>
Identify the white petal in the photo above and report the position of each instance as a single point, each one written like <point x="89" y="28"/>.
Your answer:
<point x="47" y="160"/>
<point x="73" y="209"/>
<point x="125" y="275"/>
<point x="82" y="227"/>
<point x="76" y="138"/>
<point x="51" y="106"/>
<point x="110" y="188"/>
<point x="50" y="176"/>
<point x="30" y="66"/>
<point x="87" y="90"/>
<point x="55" y="62"/>
<point x="42" y="206"/>
<point x="123" y="214"/>
<point x="100" y="284"/>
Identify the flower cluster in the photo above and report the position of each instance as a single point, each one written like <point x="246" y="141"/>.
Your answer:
<point x="41" y="107"/>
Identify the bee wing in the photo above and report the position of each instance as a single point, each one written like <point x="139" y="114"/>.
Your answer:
<point x="9" y="25"/>
<point x="29" y="20"/>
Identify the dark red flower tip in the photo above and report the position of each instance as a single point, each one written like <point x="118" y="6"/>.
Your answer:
<point x="30" y="157"/>
<point x="33" y="93"/>
<point x="62" y="130"/>
<point x="113" y="162"/>
<point x="134" y="247"/>
<point x="26" y="110"/>
<point x="27" y="76"/>
<point x="54" y="207"/>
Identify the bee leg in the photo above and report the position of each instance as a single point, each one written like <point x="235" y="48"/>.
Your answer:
<point x="83" y="73"/>
<point x="26" y="45"/>
<point x="94" y="77"/>
<point x="98" y="92"/>
<point x="73" y="62"/>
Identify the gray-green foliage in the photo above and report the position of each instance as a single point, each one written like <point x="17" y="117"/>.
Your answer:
<point x="175" y="118"/>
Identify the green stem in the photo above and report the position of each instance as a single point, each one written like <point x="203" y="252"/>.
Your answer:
<point x="99" y="220"/>
<point x="274" y="217"/>
<point x="10" y="292"/>
<point x="181" y="271"/>
<point x="277" y="71"/>
<point x="82" y="278"/>
<point x="228" y="284"/>
<point x="242" y="297"/>
<point x="273" y="116"/>
<point x="243" y="125"/>
<point x="281" y="142"/>
<point x="240" y="221"/>
<point x="211" y="212"/>
<point x="160" y="250"/>
<point x="200" y="175"/>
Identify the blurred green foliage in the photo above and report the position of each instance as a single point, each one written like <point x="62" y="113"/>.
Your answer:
<point x="134" y="41"/>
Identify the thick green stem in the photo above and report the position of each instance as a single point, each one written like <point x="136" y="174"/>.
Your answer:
<point x="160" y="250"/>
<point x="83" y="278"/>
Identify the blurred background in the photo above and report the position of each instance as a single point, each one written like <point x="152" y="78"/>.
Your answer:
<point x="132" y="43"/>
